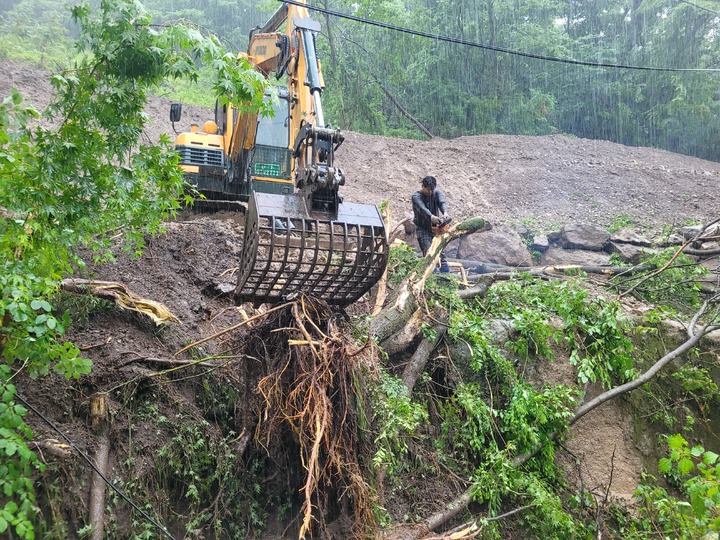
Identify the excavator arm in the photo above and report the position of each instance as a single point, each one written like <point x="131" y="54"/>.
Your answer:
<point x="310" y="240"/>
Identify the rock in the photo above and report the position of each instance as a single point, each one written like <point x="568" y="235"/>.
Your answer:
<point x="628" y="252"/>
<point x="501" y="330"/>
<point x="408" y="225"/>
<point x="540" y="243"/>
<point x="713" y="230"/>
<point x="558" y="256"/>
<point x="691" y="231"/>
<point x="452" y="248"/>
<point x="673" y="239"/>
<point x="628" y="236"/>
<point x="502" y="245"/>
<point x="583" y="236"/>
<point x="220" y="288"/>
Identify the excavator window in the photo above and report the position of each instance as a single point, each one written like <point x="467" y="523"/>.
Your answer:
<point x="273" y="131"/>
<point x="221" y="117"/>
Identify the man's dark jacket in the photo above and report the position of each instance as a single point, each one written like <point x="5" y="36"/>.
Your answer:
<point x="426" y="206"/>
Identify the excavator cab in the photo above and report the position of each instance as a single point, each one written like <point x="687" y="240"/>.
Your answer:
<point x="270" y="159"/>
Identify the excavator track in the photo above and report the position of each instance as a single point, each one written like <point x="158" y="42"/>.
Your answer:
<point x="288" y="250"/>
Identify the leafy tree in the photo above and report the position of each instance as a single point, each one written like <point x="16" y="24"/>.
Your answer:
<point x="694" y="512"/>
<point x="381" y="81"/>
<point x="76" y="184"/>
<point x="37" y="30"/>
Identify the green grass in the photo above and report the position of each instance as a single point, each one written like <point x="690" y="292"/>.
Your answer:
<point x="620" y="222"/>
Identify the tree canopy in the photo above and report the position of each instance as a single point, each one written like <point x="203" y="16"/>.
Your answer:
<point x="74" y="177"/>
<point x="505" y="67"/>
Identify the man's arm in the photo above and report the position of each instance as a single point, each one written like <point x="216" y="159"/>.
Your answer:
<point x="441" y="201"/>
<point x="423" y="216"/>
<point x="419" y="205"/>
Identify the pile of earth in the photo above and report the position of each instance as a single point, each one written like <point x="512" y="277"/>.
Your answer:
<point x="551" y="180"/>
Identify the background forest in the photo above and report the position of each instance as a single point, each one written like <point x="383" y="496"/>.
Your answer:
<point x="502" y="74"/>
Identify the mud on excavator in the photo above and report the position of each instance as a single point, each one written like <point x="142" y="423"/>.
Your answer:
<point x="300" y="236"/>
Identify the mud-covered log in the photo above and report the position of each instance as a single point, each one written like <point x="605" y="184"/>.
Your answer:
<point x="52" y="447"/>
<point x="100" y="423"/>
<point x="122" y="296"/>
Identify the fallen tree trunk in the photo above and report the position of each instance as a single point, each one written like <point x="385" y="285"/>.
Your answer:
<point x="417" y="363"/>
<point x="100" y="423"/>
<point x="407" y="297"/>
<point x="480" y="267"/>
<point x="406" y="335"/>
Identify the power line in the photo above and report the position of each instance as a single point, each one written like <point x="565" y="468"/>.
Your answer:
<point x="438" y="37"/>
<point x="698" y="6"/>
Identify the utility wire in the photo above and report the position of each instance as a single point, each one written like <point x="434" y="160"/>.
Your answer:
<point x="438" y="37"/>
<point x="698" y="6"/>
<point x="95" y="468"/>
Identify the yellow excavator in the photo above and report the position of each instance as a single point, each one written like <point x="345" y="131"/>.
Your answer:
<point x="300" y="236"/>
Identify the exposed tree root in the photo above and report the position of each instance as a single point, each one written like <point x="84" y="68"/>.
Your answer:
<point x="120" y="295"/>
<point x="311" y="389"/>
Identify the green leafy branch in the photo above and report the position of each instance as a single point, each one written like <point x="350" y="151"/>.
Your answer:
<point x="80" y="181"/>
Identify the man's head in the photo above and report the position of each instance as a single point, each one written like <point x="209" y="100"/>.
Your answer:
<point x="428" y="185"/>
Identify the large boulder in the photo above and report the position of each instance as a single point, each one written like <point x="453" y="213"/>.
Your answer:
<point x="691" y="231"/>
<point x="501" y="245"/>
<point x="583" y="236"/>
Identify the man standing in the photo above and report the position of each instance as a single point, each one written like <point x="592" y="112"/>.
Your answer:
<point x="429" y="209"/>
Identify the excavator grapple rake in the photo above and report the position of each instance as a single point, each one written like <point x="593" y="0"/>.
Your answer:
<point x="288" y="249"/>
